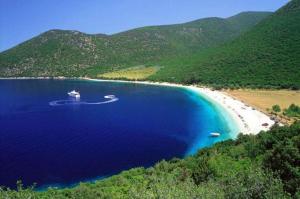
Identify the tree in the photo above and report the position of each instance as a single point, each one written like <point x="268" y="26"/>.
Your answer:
<point x="292" y="111"/>
<point x="276" y="108"/>
<point x="284" y="160"/>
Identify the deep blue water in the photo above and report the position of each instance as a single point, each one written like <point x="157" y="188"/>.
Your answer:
<point x="62" y="145"/>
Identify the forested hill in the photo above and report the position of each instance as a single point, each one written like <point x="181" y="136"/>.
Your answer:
<point x="266" y="56"/>
<point x="70" y="53"/>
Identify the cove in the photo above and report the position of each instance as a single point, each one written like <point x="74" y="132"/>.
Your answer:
<point x="91" y="139"/>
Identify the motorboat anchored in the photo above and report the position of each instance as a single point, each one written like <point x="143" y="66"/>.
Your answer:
<point x="74" y="93"/>
<point x="215" y="134"/>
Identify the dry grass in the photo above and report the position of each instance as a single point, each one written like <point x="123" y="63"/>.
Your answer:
<point x="264" y="99"/>
<point x="133" y="73"/>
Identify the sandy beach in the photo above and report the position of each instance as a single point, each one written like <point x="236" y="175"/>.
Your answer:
<point x="247" y="119"/>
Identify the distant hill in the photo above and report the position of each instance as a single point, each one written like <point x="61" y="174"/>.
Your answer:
<point x="72" y="53"/>
<point x="266" y="56"/>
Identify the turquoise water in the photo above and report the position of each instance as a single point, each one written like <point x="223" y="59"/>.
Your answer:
<point x="217" y="120"/>
<point x="53" y="140"/>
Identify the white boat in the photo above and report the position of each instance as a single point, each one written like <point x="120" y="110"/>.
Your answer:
<point x="74" y="93"/>
<point x="109" y="96"/>
<point x="215" y="134"/>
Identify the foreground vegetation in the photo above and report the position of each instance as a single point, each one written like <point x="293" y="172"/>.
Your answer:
<point x="266" y="165"/>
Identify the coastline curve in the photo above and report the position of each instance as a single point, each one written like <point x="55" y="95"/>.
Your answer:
<point x="246" y="119"/>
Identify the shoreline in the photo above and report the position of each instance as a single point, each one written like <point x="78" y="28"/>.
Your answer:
<point x="239" y="117"/>
<point x="247" y="119"/>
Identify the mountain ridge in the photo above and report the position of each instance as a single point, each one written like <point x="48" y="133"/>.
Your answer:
<point x="267" y="56"/>
<point x="70" y="53"/>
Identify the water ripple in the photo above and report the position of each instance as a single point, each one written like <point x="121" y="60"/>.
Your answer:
<point x="111" y="98"/>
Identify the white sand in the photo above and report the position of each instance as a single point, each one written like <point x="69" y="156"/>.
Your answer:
<point x="248" y="120"/>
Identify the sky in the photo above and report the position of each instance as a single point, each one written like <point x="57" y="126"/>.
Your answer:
<point x="21" y="20"/>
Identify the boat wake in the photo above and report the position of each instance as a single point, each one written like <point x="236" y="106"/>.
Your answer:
<point x="111" y="98"/>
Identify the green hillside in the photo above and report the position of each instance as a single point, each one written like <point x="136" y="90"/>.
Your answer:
<point x="266" y="56"/>
<point x="72" y="53"/>
<point x="263" y="166"/>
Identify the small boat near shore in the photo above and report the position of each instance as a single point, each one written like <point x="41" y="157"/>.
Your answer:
<point x="74" y="93"/>
<point x="215" y="134"/>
